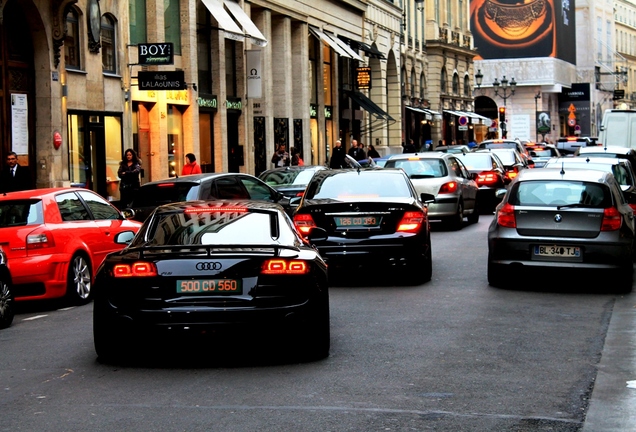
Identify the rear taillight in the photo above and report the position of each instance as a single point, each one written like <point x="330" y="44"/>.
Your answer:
<point x="137" y="269"/>
<point x="450" y="187"/>
<point x="506" y="216"/>
<point x="511" y="174"/>
<point x="487" y="178"/>
<point x="40" y="240"/>
<point x="304" y="223"/>
<point x="282" y="266"/>
<point x="411" y="222"/>
<point x="612" y="219"/>
<point x="299" y="194"/>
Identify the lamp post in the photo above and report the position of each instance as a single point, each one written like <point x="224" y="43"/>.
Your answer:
<point x="536" y="115"/>
<point x="505" y="87"/>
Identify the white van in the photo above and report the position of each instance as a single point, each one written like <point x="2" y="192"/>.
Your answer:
<point x="618" y="128"/>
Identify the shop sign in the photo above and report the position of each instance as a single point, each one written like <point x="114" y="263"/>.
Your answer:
<point x="174" y="80"/>
<point x="363" y="78"/>
<point x="208" y="102"/>
<point x="152" y="54"/>
<point x="234" y="104"/>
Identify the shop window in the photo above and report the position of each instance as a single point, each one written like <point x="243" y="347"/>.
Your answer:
<point x="109" y="46"/>
<point x="72" y="40"/>
<point x="175" y="141"/>
<point x="137" y="18"/>
<point x="172" y="23"/>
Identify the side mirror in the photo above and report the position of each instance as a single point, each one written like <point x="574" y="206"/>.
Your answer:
<point x="295" y="201"/>
<point x="317" y="234"/>
<point x="427" y="198"/>
<point x="128" y="213"/>
<point x="124" y="237"/>
<point x="500" y="193"/>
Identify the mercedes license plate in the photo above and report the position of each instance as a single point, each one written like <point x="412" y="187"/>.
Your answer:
<point x="368" y="221"/>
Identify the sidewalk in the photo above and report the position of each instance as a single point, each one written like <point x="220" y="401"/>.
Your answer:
<point x="613" y="404"/>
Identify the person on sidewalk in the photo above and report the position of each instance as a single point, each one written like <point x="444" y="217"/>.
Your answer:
<point x="191" y="166"/>
<point x="15" y="177"/>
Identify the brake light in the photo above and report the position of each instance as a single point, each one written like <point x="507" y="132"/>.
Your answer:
<point x="506" y="216"/>
<point x="487" y="178"/>
<point x="511" y="174"/>
<point x="612" y="219"/>
<point x="299" y="194"/>
<point x="281" y="266"/>
<point x="40" y="240"/>
<point x="137" y="269"/>
<point x="163" y="185"/>
<point x="304" y="223"/>
<point x="411" y="222"/>
<point x="215" y="210"/>
<point x="450" y="187"/>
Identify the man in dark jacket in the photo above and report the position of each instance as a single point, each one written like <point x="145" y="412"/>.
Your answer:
<point x="15" y="177"/>
<point x="337" y="156"/>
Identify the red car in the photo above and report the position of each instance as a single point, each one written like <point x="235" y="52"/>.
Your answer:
<point x="55" y="239"/>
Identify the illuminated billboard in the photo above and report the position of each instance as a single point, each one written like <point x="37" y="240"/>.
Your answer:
<point x="518" y="29"/>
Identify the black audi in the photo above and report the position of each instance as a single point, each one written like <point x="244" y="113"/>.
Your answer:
<point x="373" y="218"/>
<point x="220" y="268"/>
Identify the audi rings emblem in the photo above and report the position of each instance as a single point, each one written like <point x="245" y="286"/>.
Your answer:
<point x="558" y="218"/>
<point x="211" y="265"/>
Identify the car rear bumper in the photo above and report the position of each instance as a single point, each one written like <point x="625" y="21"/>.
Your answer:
<point x="443" y="207"/>
<point x="47" y="271"/>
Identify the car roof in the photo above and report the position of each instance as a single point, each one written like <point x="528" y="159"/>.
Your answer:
<point x="557" y="173"/>
<point x="423" y="155"/>
<point x="38" y="193"/>
<point x="193" y="178"/>
<point x="295" y="168"/>
<point x="607" y="149"/>
<point x="591" y="160"/>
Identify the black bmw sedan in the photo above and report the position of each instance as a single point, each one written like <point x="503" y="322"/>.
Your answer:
<point x="212" y="267"/>
<point x="373" y="218"/>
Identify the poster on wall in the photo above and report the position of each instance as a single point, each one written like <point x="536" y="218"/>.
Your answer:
<point x="520" y="127"/>
<point x="19" y="124"/>
<point x="512" y="29"/>
<point x="575" y="105"/>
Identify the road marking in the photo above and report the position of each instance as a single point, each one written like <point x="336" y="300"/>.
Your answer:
<point x="67" y="308"/>
<point x="34" y="317"/>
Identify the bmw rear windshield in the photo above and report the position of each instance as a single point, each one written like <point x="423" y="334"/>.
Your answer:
<point x="560" y="193"/>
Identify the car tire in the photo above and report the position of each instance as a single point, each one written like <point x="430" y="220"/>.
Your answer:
<point x="455" y="222"/>
<point x="496" y="274"/>
<point x="80" y="278"/>
<point x="473" y="218"/>
<point x="7" y="312"/>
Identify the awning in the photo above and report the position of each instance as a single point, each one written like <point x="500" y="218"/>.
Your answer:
<point x="368" y="105"/>
<point x="430" y="111"/>
<point x="354" y="55"/>
<point x="427" y="115"/>
<point x="246" y="22"/>
<point x="228" y="23"/>
<point x="470" y="115"/>
<point x="368" y="49"/>
<point x="326" y="39"/>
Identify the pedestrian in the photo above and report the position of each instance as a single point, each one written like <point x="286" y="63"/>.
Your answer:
<point x="361" y="154"/>
<point x="337" y="156"/>
<point x="191" y="166"/>
<point x="15" y="177"/>
<point x="353" y="150"/>
<point x="281" y="157"/>
<point x="128" y="172"/>
<point x="372" y="152"/>
<point x="409" y="148"/>
<point x="296" y="159"/>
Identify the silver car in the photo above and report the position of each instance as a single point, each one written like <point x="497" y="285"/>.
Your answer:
<point x="565" y="219"/>
<point x="444" y="176"/>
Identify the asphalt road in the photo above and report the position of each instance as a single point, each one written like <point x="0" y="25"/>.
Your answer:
<point x="451" y="355"/>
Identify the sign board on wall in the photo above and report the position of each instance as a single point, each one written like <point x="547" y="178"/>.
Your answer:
<point x="152" y="54"/>
<point x="519" y="127"/>
<point x="363" y="78"/>
<point x="254" y="69"/>
<point x="19" y="124"/>
<point x="174" y="80"/>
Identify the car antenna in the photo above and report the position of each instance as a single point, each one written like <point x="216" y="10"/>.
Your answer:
<point x="562" y="168"/>
<point x="587" y="160"/>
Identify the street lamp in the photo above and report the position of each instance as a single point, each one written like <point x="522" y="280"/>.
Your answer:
<point x="504" y="88"/>
<point x="479" y="78"/>
<point x="536" y="115"/>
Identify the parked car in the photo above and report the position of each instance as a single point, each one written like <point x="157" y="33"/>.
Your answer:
<point x="620" y="168"/>
<point x="235" y="186"/>
<point x="217" y="267"/>
<point x="541" y="153"/>
<point x="373" y="218"/>
<point x="291" y="181"/>
<point x="489" y="174"/>
<point x="55" y="239"/>
<point x="455" y="148"/>
<point x="562" y="218"/>
<point x="609" y="152"/>
<point x="7" y="310"/>
<point x="511" y="160"/>
<point x="444" y="176"/>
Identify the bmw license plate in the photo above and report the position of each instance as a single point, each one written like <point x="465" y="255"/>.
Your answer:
<point x="209" y="286"/>
<point x="558" y="251"/>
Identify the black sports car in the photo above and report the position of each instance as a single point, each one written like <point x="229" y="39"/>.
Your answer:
<point x="212" y="267"/>
<point x="372" y="217"/>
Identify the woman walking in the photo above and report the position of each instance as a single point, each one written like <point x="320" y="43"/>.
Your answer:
<point x="128" y="172"/>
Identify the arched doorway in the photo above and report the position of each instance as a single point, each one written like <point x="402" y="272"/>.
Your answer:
<point x="488" y="108"/>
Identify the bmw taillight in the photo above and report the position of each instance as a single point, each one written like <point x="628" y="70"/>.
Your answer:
<point x="40" y="240"/>
<point x="487" y="178"/>
<point x="283" y="266"/>
<point x="136" y="269"/>
<point x="304" y="223"/>
<point x="411" y="222"/>
<point x="450" y="187"/>
<point x="612" y="219"/>
<point x="506" y="216"/>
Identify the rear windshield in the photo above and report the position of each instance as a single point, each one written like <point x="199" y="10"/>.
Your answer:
<point x="511" y="145"/>
<point x="288" y="178"/>
<point x="359" y="186"/>
<point x="543" y="152"/>
<point x="158" y="194"/>
<point x="475" y="161"/>
<point x="420" y="168"/>
<point x="508" y="158"/>
<point x="20" y="213"/>
<point x="560" y="192"/>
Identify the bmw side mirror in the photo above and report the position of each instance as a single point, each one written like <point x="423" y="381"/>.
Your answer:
<point x="427" y="198"/>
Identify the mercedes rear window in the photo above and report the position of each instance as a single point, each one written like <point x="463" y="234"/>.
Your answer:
<point x="359" y="186"/>
<point x="165" y="193"/>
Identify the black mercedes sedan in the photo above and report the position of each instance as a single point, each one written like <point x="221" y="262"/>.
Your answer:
<point x="373" y="218"/>
<point x="220" y="268"/>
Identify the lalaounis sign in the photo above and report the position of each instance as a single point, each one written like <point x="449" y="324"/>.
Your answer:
<point x="174" y="80"/>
